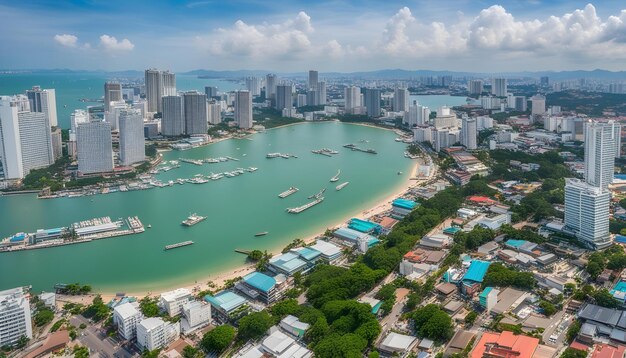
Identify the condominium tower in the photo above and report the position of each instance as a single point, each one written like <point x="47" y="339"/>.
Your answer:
<point x="15" y="319"/>
<point x="243" y="109"/>
<point x="132" y="141"/>
<point x="95" y="147"/>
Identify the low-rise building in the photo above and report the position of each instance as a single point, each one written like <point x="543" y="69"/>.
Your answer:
<point x="329" y="252"/>
<point x="396" y="344"/>
<point x="227" y="306"/>
<point x="503" y="345"/>
<point x="155" y="333"/>
<point x="294" y="326"/>
<point x="15" y="318"/>
<point x="287" y="264"/>
<point x="262" y="287"/>
<point x="196" y="315"/>
<point x="278" y="344"/>
<point x="173" y="301"/>
<point x="126" y="316"/>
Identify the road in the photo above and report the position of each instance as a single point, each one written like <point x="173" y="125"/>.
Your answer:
<point x="96" y="339"/>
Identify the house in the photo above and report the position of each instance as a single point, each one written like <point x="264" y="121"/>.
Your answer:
<point x="294" y="326"/>
<point x="395" y="343"/>
<point x="459" y="342"/>
<point x="503" y="345"/>
<point x="227" y="305"/>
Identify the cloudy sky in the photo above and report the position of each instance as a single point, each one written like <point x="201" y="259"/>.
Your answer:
<point x="329" y="35"/>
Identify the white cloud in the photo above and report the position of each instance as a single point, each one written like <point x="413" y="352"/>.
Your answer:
<point x="66" y="40"/>
<point x="111" y="44"/>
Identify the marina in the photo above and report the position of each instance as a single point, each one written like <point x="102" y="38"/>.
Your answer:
<point x="177" y="245"/>
<point x="288" y="192"/>
<point x="193" y="219"/>
<point x="251" y="195"/>
<point x="299" y="209"/>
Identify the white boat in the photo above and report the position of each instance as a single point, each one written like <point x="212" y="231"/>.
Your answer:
<point x="336" y="177"/>
<point x="288" y="192"/>
<point x="342" y="185"/>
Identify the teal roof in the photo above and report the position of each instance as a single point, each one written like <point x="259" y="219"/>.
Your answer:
<point x="260" y="281"/>
<point x="619" y="287"/>
<point x="451" y="230"/>
<point x="364" y="226"/>
<point x="225" y="300"/>
<point x="308" y="253"/>
<point x="486" y="292"/>
<point x="477" y="270"/>
<point x="404" y="203"/>
<point x="372" y="242"/>
<point x="515" y="243"/>
<point x="288" y="262"/>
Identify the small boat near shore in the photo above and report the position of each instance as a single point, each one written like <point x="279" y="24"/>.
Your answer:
<point x="342" y="185"/>
<point x="336" y="177"/>
<point x="263" y="233"/>
<point x="193" y="219"/>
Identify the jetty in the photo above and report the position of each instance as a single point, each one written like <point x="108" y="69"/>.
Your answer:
<point x="177" y="245"/>
<point x="299" y="209"/>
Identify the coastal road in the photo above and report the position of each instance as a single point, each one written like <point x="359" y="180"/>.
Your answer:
<point x="99" y="344"/>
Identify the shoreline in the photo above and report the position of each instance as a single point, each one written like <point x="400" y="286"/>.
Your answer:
<point x="219" y="278"/>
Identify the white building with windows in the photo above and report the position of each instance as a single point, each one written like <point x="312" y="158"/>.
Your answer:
<point x="94" y="147"/>
<point x="401" y="99"/>
<point x="132" y="141"/>
<point x="587" y="213"/>
<point x="36" y="140"/>
<point x="243" y="109"/>
<point x="196" y="314"/>
<point x="601" y="143"/>
<point x="172" y="301"/>
<point x="10" y="144"/>
<point x="499" y="87"/>
<point x="126" y="316"/>
<point x="469" y="133"/>
<point x="154" y="333"/>
<point x="15" y="319"/>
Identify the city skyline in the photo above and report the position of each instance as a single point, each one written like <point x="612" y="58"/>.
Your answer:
<point x="329" y="36"/>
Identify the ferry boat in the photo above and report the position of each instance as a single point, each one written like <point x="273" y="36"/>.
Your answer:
<point x="177" y="245"/>
<point x="336" y="177"/>
<point x="288" y="192"/>
<point x="261" y="233"/>
<point x="193" y="219"/>
<point x="342" y="185"/>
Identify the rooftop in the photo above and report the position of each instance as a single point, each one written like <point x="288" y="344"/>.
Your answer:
<point x="288" y="262"/>
<point x="476" y="271"/>
<point x="600" y="314"/>
<point x="260" y="281"/>
<point x="505" y="344"/>
<point x="397" y="342"/>
<point x="326" y="248"/>
<point x="175" y="294"/>
<point x="225" y="300"/>
<point x="404" y="203"/>
<point x="126" y="310"/>
<point x="607" y="351"/>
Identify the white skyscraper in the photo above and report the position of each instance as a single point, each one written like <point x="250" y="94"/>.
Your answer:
<point x="475" y="86"/>
<point x="253" y="84"/>
<point x="601" y="140"/>
<point x="352" y="96"/>
<point x="43" y="101"/>
<point x="15" y="320"/>
<point x="173" y="120"/>
<point x="469" y="133"/>
<point x="94" y="147"/>
<point x="132" y="142"/>
<point x="36" y="140"/>
<point x="321" y="93"/>
<point x="77" y="117"/>
<point x="158" y="84"/>
<point x="498" y="87"/>
<point x="243" y="109"/>
<point x="587" y="213"/>
<point x="401" y="100"/>
<point x="417" y="115"/>
<point x="214" y="113"/>
<point x="538" y="103"/>
<point x="301" y="100"/>
<point x="10" y="144"/>
<point x="112" y="93"/>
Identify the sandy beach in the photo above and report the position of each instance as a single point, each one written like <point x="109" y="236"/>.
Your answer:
<point x="220" y="278"/>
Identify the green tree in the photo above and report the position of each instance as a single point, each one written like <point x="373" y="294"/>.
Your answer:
<point x="548" y="308"/>
<point x="573" y="353"/>
<point x="572" y="331"/>
<point x="43" y="317"/>
<point x="254" y="325"/>
<point x="191" y="352"/>
<point x="432" y="322"/>
<point x="605" y="299"/>
<point x="218" y="339"/>
<point x="149" y="306"/>
<point x="335" y="345"/>
<point x="80" y="351"/>
<point x="471" y="317"/>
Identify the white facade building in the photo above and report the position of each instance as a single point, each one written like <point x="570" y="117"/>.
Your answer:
<point x="77" y="117"/>
<point x="126" y="316"/>
<point x="214" y="112"/>
<point x="94" y="147"/>
<point x="469" y="133"/>
<point x="601" y="141"/>
<point x="196" y="314"/>
<point x="587" y="213"/>
<point x="132" y="141"/>
<point x="445" y="118"/>
<point x="499" y="87"/>
<point x="15" y="320"/>
<point x="172" y="120"/>
<point x="243" y="109"/>
<point x="401" y="100"/>
<point x="154" y="333"/>
<point x="195" y="110"/>
<point x="158" y="85"/>
<point x="352" y="97"/>
<point x="173" y="301"/>
<point x="10" y="143"/>
<point x="538" y="103"/>
<point x="36" y="140"/>
<point x="253" y="84"/>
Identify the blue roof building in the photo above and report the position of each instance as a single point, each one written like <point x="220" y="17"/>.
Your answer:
<point x="225" y="304"/>
<point x="288" y="263"/>
<point x="476" y="271"/>
<point x="308" y="254"/>
<point x="260" y="286"/>
<point x="364" y="226"/>
<point x="404" y="204"/>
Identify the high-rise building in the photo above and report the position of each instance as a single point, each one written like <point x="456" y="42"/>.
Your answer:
<point x="469" y="133"/>
<point x="214" y="113"/>
<point x="520" y="104"/>
<point x="270" y="86"/>
<point x="445" y="118"/>
<point x="36" y="140"/>
<point x="211" y="92"/>
<point x="195" y="108"/>
<point x="173" y="119"/>
<point x="417" y="115"/>
<point x="538" y="104"/>
<point x="113" y="116"/>
<point x="132" y="141"/>
<point x="15" y="320"/>
<point x="312" y="97"/>
<point x="57" y="143"/>
<point x="301" y="100"/>
<point x="401" y="100"/>
<point x="43" y="101"/>
<point x="321" y="94"/>
<point x="498" y="87"/>
<point x="313" y="79"/>
<point x="158" y="85"/>
<point x="112" y="93"/>
<point x="352" y="96"/>
<point x="587" y="213"/>
<point x="94" y="147"/>
<point x="601" y="142"/>
<point x="441" y="139"/>
<point x="475" y="87"/>
<point x="10" y="143"/>
<point x="155" y="333"/>
<point x="243" y="109"/>
<point x="284" y="97"/>
<point x="77" y="117"/>
<point x="372" y="102"/>
<point x="544" y="81"/>
<point x="253" y="84"/>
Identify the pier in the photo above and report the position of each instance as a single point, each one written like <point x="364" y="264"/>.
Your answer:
<point x="302" y="208"/>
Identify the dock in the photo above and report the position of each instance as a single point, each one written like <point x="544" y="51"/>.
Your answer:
<point x="240" y="251"/>
<point x="355" y="148"/>
<point x="299" y="209"/>
<point x="177" y="245"/>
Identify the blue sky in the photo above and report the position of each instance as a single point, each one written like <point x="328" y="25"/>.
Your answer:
<point x="330" y="35"/>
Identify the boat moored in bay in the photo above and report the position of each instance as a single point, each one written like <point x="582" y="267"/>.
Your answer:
<point x="193" y="219"/>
